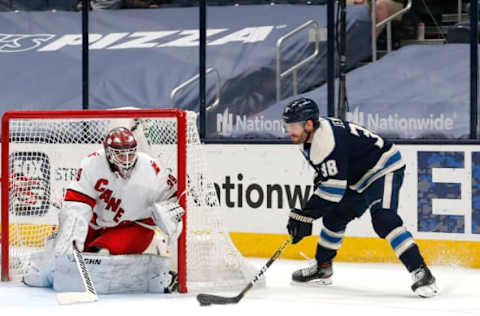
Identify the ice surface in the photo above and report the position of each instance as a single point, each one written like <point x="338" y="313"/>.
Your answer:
<point x="358" y="289"/>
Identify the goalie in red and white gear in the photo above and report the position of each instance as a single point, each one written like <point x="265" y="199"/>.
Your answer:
<point x="121" y="193"/>
<point x="117" y="201"/>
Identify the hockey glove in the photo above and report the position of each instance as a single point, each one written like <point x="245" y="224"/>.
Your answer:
<point x="168" y="216"/>
<point x="72" y="227"/>
<point x="317" y="180"/>
<point x="299" y="225"/>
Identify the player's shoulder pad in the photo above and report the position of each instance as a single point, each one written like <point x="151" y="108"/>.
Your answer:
<point x="323" y="142"/>
<point x="93" y="159"/>
<point x="144" y="155"/>
<point x="146" y="161"/>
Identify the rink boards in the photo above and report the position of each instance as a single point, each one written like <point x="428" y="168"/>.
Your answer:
<point x="439" y="202"/>
<point x="258" y="184"/>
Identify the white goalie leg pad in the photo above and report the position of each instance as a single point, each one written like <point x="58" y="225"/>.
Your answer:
<point x="114" y="274"/>
<point x="39" y="272"/>
<point x="159" y="278"/>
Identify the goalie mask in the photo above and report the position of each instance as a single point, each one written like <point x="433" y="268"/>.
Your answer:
<point x="121" y="151"/>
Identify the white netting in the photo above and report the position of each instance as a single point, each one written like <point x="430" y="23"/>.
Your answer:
<point x="44" y="157"/>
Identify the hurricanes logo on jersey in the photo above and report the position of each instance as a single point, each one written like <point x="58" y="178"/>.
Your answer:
<point x="112" y="203"/>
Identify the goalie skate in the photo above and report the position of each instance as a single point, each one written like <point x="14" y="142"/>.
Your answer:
<point x="314" y="275"/>
<point x="424" y="282"/>
<point x="173" y="286"/>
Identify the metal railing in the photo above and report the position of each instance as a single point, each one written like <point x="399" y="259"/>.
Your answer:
<point x="388" y="22"/>
<point x="293" y="70"/>
<point x="177" y="89"/>
<point x="459" y="11"/>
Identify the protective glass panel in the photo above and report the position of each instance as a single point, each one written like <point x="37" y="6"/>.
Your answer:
<point x="40" y="66"/>
<point x="417" y="84"/>
<point x="274" y="53"/>
<point x="143" y="54"/>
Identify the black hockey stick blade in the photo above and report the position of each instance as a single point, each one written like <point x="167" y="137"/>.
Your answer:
<point x="209" y="299"/>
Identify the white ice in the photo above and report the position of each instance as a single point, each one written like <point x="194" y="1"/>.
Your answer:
<point x="358" y="289"/>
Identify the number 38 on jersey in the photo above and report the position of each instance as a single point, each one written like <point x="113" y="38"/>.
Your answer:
<point x="329" y="168"/>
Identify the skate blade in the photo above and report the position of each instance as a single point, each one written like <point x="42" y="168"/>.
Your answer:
<point x="427" y="291"/>
<point x="313" y="283"/>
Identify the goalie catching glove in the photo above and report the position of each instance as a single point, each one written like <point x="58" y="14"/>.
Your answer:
<point x="168" y="216"/>
<point x="299" y="225"/>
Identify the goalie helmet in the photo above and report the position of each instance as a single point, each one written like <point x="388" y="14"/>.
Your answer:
<point x="301" y="110"/>
<point x="121" y="150"/>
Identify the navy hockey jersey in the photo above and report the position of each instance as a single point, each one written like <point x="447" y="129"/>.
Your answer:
<point x="346" y="155"/>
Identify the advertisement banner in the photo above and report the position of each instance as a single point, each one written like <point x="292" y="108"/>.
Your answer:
<point x="439" y="202"/>
<point x="139" y="57"/>
<point x="409" y="93"/>
<point x="257" y="185"/>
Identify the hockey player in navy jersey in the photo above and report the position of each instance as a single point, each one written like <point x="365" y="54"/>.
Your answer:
<point x="355" y="170"/>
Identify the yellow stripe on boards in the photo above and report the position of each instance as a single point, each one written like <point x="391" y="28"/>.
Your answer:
<point x="354" y="249"/>
<point x="361" y="249"/>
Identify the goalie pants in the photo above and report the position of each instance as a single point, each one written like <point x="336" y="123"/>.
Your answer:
<point x="126" y="238"/>
<point x="381" y="197"/>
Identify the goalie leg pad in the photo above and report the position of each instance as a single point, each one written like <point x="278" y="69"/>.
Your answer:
<point x="39" y="272"/>
<point x="114" y="274"/>
<point x="159" y="278"/>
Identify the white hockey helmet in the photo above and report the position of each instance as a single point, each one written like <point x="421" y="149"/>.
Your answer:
<point x="121" y="150"/>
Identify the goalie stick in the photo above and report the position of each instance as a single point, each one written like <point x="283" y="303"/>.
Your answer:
<point x="90" y="294"/>
<point x="208" y="299"/>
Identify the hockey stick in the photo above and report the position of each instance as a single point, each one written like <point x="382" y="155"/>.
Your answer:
<point x="89" y="295"/>
<point x="208" y="299"/>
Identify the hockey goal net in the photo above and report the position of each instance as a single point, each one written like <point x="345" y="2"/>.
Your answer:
<point x="41" y="153"/>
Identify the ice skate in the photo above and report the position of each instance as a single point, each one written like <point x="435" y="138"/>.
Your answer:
<point x="173" y="286"/>
<point x="314" y="275"/>
<point x="424" y="282"/>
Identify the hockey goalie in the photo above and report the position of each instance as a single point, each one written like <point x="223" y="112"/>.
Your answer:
<point x="122" y="211"/>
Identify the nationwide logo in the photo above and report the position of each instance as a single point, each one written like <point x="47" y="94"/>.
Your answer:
<point x="230" y="125"/>
<point x="126" y="40"/>
<point x="10" y="43"/>
<point x="393" y="121"/>
<point x="234" y="192"/>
